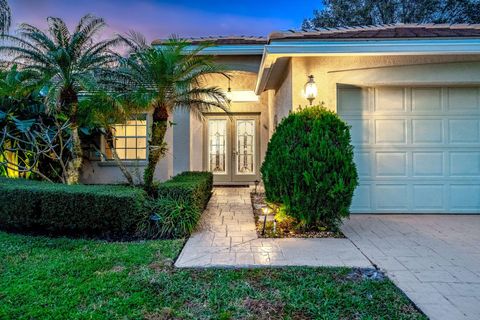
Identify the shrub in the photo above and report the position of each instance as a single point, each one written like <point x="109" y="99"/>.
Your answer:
<point x="309" y="167"/>
<point x="97" y="210"/>
<point x="178" y="205"/>
<point x="196" y="187"/>
<point x="170" y="218"/>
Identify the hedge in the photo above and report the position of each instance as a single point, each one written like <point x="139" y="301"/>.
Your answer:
<point x="193" y="186"/>
<point x="103" y="211"/>
<point x="98" y="210"/>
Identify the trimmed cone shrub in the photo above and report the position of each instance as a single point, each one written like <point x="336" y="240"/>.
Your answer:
<point x="309" y="167"/>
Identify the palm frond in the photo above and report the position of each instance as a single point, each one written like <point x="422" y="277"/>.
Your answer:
<point x="59" y="31"/>
<point x="67" y="60"/>
<point x="5" y="16"/>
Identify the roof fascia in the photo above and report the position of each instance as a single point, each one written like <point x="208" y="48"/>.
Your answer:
<point x="230" y="49"/>
<point x="387" y="46"/>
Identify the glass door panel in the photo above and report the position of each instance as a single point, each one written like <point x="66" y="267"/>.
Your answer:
<point x="217" y="146"/>
<point x="245" y="147"/>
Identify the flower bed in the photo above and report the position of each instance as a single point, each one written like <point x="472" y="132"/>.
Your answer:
<point x="280" y="225"/>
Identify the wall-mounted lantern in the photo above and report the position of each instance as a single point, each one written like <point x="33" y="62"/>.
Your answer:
<point x="240" y="95"/>
<point x="310" y="89"/>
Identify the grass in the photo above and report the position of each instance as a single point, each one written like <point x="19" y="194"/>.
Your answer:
<point x="44" y="278"/>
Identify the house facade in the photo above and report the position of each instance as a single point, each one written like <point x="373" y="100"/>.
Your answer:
<point x="411" y="94"/>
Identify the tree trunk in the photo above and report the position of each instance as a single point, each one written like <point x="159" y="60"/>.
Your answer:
<point x="157" y="148"/>
<point x="69" y="104"/>
<point x="75" y="164"/>
<point x="118" y="161"/>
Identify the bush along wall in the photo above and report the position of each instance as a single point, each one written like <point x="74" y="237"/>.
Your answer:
<point x="104" y="211"/>
<point x="178" y="206"/>
<point x="309" y="167"/>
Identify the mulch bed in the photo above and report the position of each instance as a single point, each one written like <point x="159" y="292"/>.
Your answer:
<point x="258" y="202"/>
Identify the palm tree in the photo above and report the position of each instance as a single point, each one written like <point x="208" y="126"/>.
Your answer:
<point x="168" y="77"/>
<point x="5" y="16"/>
<point x="70" y="63"/>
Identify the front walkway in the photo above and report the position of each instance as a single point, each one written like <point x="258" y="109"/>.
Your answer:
<point x="434" y="259"/>
<point x="227" y="238"/>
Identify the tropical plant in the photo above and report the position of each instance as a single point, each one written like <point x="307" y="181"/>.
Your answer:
<point x="169" y="217"/>
<point x="38" y="143"/>
<point x="20" y="107"/>
<point x="167" y="77"/>
<point x="69" y="62"/>
<point x="5" y="16"/>
<point x="309" y="168"/>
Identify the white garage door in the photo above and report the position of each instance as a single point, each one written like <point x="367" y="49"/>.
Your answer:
<point x="417" y="150"/>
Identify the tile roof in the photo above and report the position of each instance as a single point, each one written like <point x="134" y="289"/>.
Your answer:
<point x="388" y="31"/>
<point x="222" y="40"/>
<point x="392" y="31"/>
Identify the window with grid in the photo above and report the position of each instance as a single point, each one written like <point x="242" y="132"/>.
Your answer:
<point x="130" y="139"/>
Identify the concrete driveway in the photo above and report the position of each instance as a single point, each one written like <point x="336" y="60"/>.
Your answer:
<point x="434" y="259"/>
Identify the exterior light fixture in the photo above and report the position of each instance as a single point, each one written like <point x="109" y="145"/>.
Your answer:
<point x="229" y="92"/>
<point x="310" y="89"/>
<point x="265" y="212"/>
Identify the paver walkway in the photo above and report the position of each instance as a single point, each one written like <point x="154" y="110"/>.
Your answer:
<point x="434" y="259"/>
<point x="227" y="237"/>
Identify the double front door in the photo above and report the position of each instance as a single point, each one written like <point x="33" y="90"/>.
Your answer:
<point x="232" y="148"/>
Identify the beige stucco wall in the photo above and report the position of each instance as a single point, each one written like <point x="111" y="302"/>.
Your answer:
<point x="287" y="95"/>
<point x="283" y="95"/>
<point x="379" y="70"/>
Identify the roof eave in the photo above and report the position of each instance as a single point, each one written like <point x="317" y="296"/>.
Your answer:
<point x="230" y="49"/>
<point x="276" y="49"/>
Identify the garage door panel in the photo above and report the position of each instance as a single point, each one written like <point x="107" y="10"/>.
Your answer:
<point x="417" y="151"/>
<point x="463" y="99"/>
<point x="464" y="131"/>
<point x="390" y="99"/>
<point x="363" y="162"/>
<point x="465" y="164"/>
<point x="391" y="197"/>
<point x="428" y="197"/>
<point x="428" y="164"/>
<point x="353" y="101"/>
<point x="427" y="131"/>
<point x="391" y="131"/>
<point x="391" y="164"/>
<point x="426" y="99"/>
<point x="464" y="197"/>
<point x="360" y="131"/>
<point x="362" y="200"/>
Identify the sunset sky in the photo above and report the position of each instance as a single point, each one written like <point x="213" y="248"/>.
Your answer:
<point x="158" y="19"/>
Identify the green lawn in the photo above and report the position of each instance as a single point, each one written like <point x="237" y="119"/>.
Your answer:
<point x="44" y="278"/>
